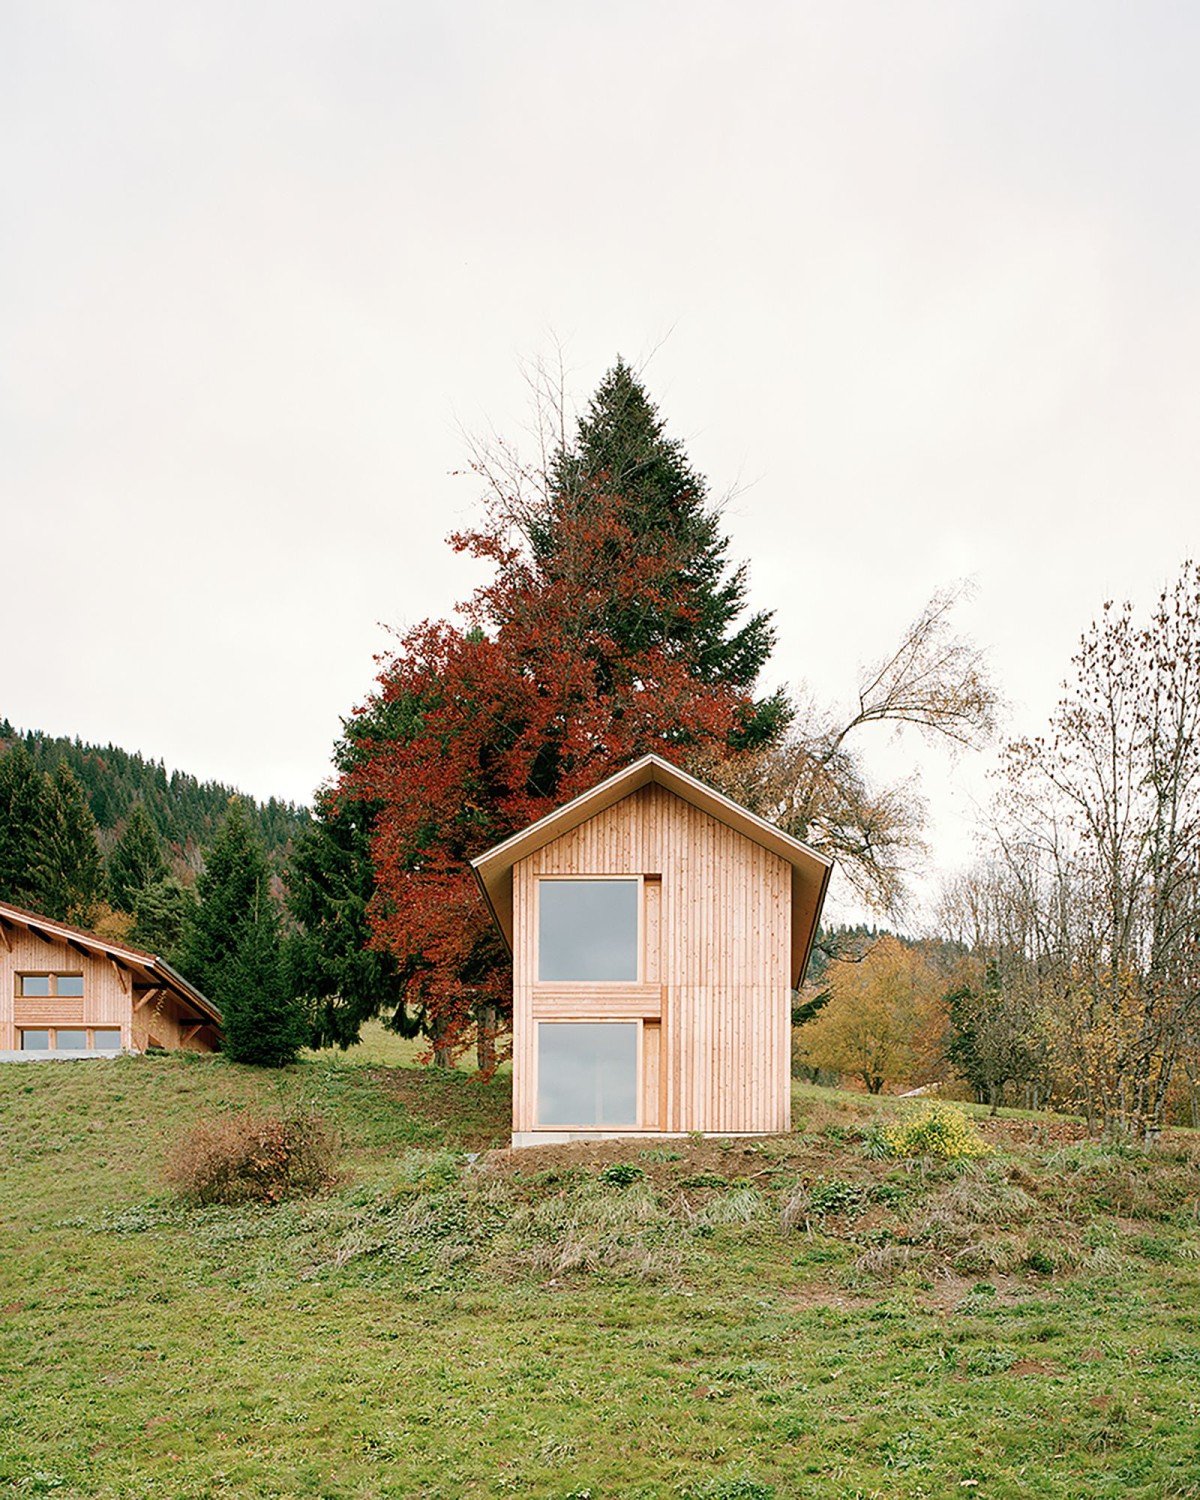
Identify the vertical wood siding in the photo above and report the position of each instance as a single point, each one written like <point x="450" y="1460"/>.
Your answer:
<point x="109" y="998"/>
<point x="104" y="1002"/>
<point x="716" y="937"/>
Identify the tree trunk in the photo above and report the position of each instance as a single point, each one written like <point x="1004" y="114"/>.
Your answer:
<point x="485" y="1039"/>
<point x="443" y="1055"/>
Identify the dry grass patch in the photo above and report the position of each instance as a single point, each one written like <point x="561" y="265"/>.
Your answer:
<point x="247" y="1158"/>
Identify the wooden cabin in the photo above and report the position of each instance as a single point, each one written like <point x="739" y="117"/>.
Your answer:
<point x="657" y="931"/>
<point x="65" y="993"/>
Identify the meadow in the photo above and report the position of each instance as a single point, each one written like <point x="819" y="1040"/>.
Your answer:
<point x="707" y="1320"/>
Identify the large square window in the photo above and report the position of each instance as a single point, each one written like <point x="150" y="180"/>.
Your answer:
<point x="68" y="984"/>
<point x="71" y="1039"/>
<point x="35" y="1041"/>
<point x="587" y="1073"/>
<point x="34" y="984"/>
<point x="587" y="931"/>
<point x="106" y="1041"/>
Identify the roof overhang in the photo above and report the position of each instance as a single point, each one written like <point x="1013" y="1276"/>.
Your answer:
<point x="147" y="968"/>
<point x="810" y="870"/>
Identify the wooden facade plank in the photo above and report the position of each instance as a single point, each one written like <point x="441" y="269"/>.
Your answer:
<point x="106" y="1003"/>
<point x="715" y="931"/>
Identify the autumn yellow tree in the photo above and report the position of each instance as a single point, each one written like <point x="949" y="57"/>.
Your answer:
<point x="884" y="1021"/>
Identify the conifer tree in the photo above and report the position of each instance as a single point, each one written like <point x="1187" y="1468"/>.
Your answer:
<point x="231" y="948"/>
<point x="608" y="630"/>
<point x="136" y="860"/>
<point x="330" y="962"/>
<point x="74" y="869"/>
<point x="162" y="910"/>
<point x="621" y="447"/>
<point x="262" y="1022"/>
<point x="24" y="794"/>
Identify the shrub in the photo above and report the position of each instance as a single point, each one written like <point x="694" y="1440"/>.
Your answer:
<point x="933" y="1130"/>
<point x="621" y="1174"/>
<point x="246" y="1158"/>
<point x="828" y="1197"/>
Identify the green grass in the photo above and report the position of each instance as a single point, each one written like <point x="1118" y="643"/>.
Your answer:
<point x="438" y="1327"/>
<point x="384" y="1047"/>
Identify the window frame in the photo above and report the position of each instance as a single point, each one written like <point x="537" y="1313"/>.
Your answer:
<point x="588" y="984"/>
<point x="52" y="1028"/>
<point x="52" y="976"/>
<point x="638" y="1085"/>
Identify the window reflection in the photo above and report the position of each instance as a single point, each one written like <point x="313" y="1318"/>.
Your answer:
<point x="587" y="930"/>
<point x="587" y="1073"/>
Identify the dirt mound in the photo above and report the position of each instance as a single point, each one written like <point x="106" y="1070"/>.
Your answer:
<point x="669" y="1158"/>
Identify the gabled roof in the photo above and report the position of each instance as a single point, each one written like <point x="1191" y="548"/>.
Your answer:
<point x="810" y="870"/>
<point x="146" y="968"/>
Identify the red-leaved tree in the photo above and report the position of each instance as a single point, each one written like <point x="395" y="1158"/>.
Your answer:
<point x="596" y="641"/>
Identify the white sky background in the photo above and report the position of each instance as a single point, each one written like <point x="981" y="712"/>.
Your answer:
<point x="920" y="280"/>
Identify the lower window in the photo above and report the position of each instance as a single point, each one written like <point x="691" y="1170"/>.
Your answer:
<point x="587" y="1073"/>
<point x="71" y="1039"/>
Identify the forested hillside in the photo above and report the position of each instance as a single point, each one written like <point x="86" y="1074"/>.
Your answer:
<point x="185" y="812"/>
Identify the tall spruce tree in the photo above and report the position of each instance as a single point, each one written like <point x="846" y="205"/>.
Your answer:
<point x="231" y="948"/>
<point x="136" y="860"/>
<point x="625" y="555"/>
<point x="611" y="627"/>
<point x="263" y="1023"/>
<point x="621" y="446"/>
<point x="74" y="870"/>
<point x="50" y="857"/>
<point x="24" y="795"/>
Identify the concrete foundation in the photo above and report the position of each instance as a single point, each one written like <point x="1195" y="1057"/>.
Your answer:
<point x="563" y="1137"/>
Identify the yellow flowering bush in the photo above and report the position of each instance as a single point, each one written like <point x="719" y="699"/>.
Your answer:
<point x="933" y="1130"/>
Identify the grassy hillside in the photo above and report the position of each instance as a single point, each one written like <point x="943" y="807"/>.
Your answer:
<point x="1023" y="1325"/>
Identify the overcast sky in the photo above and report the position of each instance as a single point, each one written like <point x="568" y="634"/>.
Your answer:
<point x="918" y="281"/>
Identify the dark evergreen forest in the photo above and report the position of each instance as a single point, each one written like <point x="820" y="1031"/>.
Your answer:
<point x="185" y="812"/>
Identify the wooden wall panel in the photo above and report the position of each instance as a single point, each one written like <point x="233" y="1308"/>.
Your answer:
<point x="160" y="1020"/>
<point x="629" y="1002"/>
<point x="104" y="1002"/>
<point x="111" y="998"/>
<point x="719" y="922"/>
<point x="53" y="1012"/>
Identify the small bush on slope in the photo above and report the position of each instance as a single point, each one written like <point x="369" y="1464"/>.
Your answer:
<point x="245" y="1158"/>
<point x="940" y="1130"/>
